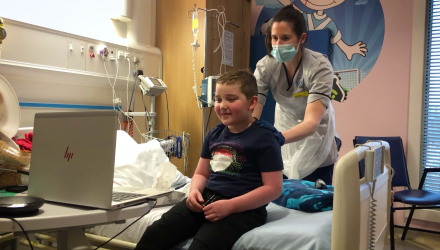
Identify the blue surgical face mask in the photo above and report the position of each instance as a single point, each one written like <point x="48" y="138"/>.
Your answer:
<point x="284" y="52"/>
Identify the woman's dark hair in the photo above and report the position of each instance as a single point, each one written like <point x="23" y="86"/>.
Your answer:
<point x="293" y="17"/>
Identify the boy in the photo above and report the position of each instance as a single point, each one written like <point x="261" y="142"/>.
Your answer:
<point x="238" y="174"/>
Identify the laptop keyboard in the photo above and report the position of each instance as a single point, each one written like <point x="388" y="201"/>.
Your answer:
<point x="118" y="196"/>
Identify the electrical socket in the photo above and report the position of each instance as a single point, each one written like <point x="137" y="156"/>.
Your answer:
<point x="120" y="54"/>
<point x="112" y="55"/>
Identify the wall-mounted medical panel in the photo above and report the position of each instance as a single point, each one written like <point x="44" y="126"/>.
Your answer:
<point x="27" y="45"/>
<point x="123" y="63"/>
<point x="76" y="54"/>
<point x="95" y="62"/>
<point x="48" y="66"/>
<point x="40" y="54"/>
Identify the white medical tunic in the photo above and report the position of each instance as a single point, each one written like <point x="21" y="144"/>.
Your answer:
<point x="312" y="81"/>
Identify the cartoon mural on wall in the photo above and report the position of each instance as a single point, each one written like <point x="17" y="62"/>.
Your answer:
<point x="357" y="30"/>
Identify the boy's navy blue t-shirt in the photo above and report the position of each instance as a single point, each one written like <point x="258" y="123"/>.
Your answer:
<point x="237" y="159"/>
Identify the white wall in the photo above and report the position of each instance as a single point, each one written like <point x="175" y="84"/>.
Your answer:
<point x="87" y="18"/>
<point x="143" y="29"/>
<point x="426" y="219"/>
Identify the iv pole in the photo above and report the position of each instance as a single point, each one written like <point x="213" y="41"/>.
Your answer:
<point x="205" y="74"/>
<point x="152" y="112"/>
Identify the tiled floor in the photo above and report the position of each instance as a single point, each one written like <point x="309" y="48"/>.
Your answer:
<point x="415" y="241"/>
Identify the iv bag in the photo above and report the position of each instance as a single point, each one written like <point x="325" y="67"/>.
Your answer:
<point x="195" y="24"/>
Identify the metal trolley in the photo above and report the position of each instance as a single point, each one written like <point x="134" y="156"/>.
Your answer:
<point x="174" y="143"/>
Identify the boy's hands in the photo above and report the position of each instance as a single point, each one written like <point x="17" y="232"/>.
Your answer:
<point x="194" y="201"/>
<point x="218" y="210"/>
<point x="213" y="212"/>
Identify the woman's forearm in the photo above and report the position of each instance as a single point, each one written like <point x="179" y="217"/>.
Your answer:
<point x="314" y="113"/>
<point x="299" y="132"/>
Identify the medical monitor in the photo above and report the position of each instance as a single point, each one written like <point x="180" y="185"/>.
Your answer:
<point x="152" y="86"/>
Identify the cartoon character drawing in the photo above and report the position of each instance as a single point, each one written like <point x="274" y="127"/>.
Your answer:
<point x="319" y="20"/>
<point x="222" y="157"/>
<point x="339" y="93"/>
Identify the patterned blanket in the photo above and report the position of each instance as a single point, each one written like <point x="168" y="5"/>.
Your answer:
<point x="302" y="195"/>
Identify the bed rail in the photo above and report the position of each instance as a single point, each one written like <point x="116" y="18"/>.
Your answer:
<point x="352" y="202"/>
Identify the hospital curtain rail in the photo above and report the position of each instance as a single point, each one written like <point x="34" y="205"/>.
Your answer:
<point x="431" y="117"/>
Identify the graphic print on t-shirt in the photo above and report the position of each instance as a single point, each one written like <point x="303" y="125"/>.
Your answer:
<point x="226" y="160"/>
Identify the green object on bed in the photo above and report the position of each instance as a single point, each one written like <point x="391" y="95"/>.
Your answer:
<point x="3" y="193"/>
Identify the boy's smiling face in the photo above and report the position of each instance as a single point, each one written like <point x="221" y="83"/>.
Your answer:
<point x="232" y="107"/>
<point x="321" y="4"/>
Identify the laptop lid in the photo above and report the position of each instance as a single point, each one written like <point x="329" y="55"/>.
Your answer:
<point x="73" y="156"/>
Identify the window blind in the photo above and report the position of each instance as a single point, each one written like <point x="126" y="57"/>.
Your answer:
<point x="431" y="123"/>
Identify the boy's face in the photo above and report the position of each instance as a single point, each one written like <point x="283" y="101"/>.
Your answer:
<point x="231" y="105"/>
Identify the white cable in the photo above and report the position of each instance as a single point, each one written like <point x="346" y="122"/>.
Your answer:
<point x="221" y="19"/>
<point x="114" y="83"/>
<point x="111" y="86"/>
<point x="128" y="80"/>
<point x="134" y="96"/>
<point x="373" y="210"/>
<point x="116" y="76"/>
<point x="391" y="169"/>
<point x="132" y="120"/>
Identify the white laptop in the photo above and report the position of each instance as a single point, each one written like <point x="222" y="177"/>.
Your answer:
<point x="73" y="160"/>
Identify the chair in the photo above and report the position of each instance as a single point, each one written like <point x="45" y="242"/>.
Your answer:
<point x="413" y="197"/>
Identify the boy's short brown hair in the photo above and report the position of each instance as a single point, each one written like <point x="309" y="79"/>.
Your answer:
<point x="247" y="81"/>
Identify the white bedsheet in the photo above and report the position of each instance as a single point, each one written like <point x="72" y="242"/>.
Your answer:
<point x="285" y="229"/>
<point x="289" y="229"/>
<point x="133" y="233"/>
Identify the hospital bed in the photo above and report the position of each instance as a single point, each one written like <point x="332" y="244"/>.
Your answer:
<point x="347" y="227"/>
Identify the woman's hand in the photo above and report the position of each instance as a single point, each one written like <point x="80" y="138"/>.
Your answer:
<point x="194" y="201"/>
<point x="218" y="210"/>
<point x="312" y="118"/>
